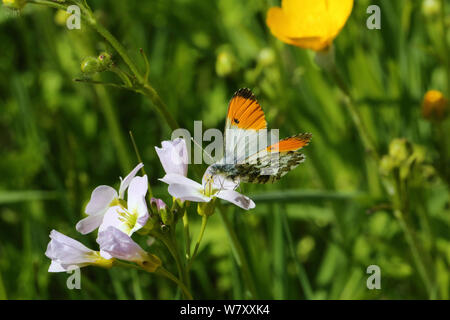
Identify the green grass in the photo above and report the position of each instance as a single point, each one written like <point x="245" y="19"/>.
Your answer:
<point x="313" y="234"/>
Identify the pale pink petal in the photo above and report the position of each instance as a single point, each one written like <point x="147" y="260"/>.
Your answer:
<point x="126" y="182"/>
<point x="136" y="194"/>
<point x="236" y="198"/>
<point x="114" y="218"/>
<point x="119" y="245"/>
<point x="173" y="156"/>
<point x="56" y="267"/>
<point x="160" y="205"/>
<point x="89" y="224"/>
<point x="67" y="251"/>
<point x="187" y="193"/>
<point x="101" y="197"/>
<point x="179" y="179"/>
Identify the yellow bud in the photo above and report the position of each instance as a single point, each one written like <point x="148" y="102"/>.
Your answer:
<point x="61" y="17"/>
<point x="266" y="57"/>
<point x="399" y="150"/>
<point x="431" y="8"/>
<point x="386" y="165"/>
<point x="226" y="63"/>
<point x="15" y="4"/>
<point x="434" y="106"/>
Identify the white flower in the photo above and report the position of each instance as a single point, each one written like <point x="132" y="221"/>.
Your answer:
<point x="115" y="243"/>
<point x="66" y="252"/>
<point x="102" y="198"/>
<point x="134" y="217"/>
<point x="174" y="156"/>
<point x="212" y="187"/>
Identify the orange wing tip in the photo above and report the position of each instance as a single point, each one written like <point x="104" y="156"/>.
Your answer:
<point x="293" y="143"/>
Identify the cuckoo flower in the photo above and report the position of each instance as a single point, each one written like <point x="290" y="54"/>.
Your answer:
<point x="102" y="198"/>
<point x="115" y="243"/>
<point x="66" y="252"/>
<point x="309" y="24"/>
<point x="174" y="156"/>
<point x="212" y="187"/>
<point x="135" y="215"/>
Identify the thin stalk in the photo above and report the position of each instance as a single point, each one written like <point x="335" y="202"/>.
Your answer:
<point x="200" y="237"/>
<point x="415" y="253"/>
<point x="187" y="236"/>
<point x="138" y="155"/>
<point x="446" y="46"/>
<point x="302" y="276"/>
<point x="369" y="144"/>
<point x="48" y="4"/>
<point x="163" y="272"/>
<point x="238" y="253"/>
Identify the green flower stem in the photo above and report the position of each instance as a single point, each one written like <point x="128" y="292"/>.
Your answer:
<point x="369" y="144"/>
<point x="118" y="263"/>
<point x="401" y="205"/>
<point x="187" y="236"/>
<point x="184" y="272"/>
<point x="114" y="43"/>
<point x="151" y="93"/>
<point x="163" y="272"/>
<point x="167" y="240"/>
<point x="409" y="234"/>
<point x="238" y="253"/>
<point x="49" y="4"/>
<point x="197" y="245"/>
<point x="138" y="155"/>
<point x="160" y="271"/>
<point x="446" y="46"/>
<point x="302" y="276"/>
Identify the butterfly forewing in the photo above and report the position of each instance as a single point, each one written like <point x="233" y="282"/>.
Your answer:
<point x="244" y="126"/>
<point x="247" y="157"/>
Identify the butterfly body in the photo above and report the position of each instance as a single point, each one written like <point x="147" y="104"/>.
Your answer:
<point x="247" y="158"/>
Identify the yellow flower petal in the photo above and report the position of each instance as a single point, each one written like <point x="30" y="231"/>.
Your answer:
<point x="311" y="24"/>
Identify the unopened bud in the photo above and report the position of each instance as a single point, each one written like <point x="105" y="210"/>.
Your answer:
<point x="434" y="106"/>
<point x="15" y="4"/>
<point x="206" y="209"/>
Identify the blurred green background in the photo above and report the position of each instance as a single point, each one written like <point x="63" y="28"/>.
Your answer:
<point x="331" y="217"/>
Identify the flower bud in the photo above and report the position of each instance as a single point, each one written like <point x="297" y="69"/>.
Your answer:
<point x="431" y="8"/>
<point x="266" y="57"/>
<point x="206" y="209"/>
<point x="151" y="263"/>
<point x="15" y="4"/>
<point x="90" y="65"/>
<point x="399" y="150"/>
<point x="159" y="207"/>
<point x="105" y="60"/>
<point x="434" y="106"/>
<point x="386" y="165"/>
<point x="61" y="17"/>
<point x="226" y="63"/>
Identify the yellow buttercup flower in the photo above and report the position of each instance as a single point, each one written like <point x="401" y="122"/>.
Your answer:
<point x="309" y="24"/>
<point x="434" y="106"/>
